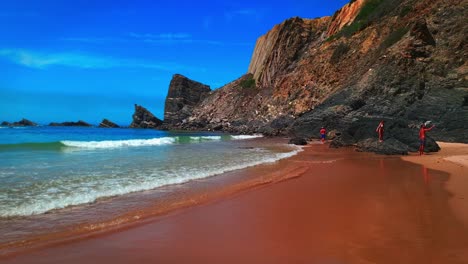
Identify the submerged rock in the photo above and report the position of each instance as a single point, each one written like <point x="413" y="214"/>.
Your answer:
<point x="106" y="123"/>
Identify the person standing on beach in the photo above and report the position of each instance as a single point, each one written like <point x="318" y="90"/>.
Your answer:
<point x="380" y="130"/>
<point x="422" y="137"/>
<point x="323" y="133"/>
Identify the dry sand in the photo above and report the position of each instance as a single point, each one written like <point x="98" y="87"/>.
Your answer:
<point x="346" y="207"/>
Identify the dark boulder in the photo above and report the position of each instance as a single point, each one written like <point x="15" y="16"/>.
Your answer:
<point x="387" y="147"/>
<point x="5" y="123"/>
<point x="80" y="123"/>
<point x="298" y="141"/>
<point x="182" y="96"/>
<point x="106" y="123"/>
<point x="142" y="118"/>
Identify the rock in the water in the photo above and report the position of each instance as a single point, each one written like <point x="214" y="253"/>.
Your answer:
<point x="22" y="122"/>
<point x="298" y="141"/>
<point x="183" y="95"/>
<point x="80" y="123"/>
<point x="106" y="123"/>
<point x="25" y="122"/>
<point x="142" y="118"/>
<point x="388" y="147"/>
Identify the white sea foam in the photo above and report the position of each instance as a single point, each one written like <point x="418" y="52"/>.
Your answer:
<point x="205" y="138"/>
<point x="241" y="137"/>
<point x="87" y="194"/>
<point x="120" y="143"/>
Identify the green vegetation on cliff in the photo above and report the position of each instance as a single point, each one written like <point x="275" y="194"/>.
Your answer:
<point x="248" y="83"/>
<point x="371" y="12"/>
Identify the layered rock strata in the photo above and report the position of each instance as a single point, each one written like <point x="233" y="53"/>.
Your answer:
<point x="106" y="123"/>
<point x="142" y="118"/>
<point x="182" y="96"/>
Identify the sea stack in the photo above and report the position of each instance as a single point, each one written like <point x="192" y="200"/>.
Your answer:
<point x="142" y="118"/>
<point x="182" y="96"/>
<point x="106" y="123"/>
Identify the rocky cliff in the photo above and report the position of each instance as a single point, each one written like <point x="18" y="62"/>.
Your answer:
<point x="142" y="118"/>
<point x="403" y="61"/>
<point x="182" y="96"/>
<point x="344" y="17"/>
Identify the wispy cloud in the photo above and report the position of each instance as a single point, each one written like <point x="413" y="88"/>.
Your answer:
<point x="93" y="40"/>
<point x="151" y="38"/>
<point x="230" y="15"/>
<point x="43" y="60"/>
<point x="161" y="36"/>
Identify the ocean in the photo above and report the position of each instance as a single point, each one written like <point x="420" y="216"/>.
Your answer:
<point x="51" y="170"/>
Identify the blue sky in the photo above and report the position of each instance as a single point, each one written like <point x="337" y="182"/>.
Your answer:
<point x="70" y="60"/>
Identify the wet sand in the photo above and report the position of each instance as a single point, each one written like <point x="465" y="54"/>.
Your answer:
<point x="345" y="207"/>
<point x="453" y="159"/>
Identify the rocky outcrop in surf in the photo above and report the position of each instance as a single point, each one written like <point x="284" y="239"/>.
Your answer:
<point x="142" y="118"/>
<point x="21" y="123"/>
<point x="182" y="96"/>
<point x="79" y="123"/>
<point x="106" y="123"/>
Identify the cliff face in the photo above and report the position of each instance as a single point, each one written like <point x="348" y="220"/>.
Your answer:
<point x="278" y="51"/>
<point x="344" y="17"/>
<point x="183" y="95"/>
<point x="403" y="61"/>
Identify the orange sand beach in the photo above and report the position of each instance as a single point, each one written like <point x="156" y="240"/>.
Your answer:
<point x="337" y="206"/>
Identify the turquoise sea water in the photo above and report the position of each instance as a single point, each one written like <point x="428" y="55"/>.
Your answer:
<point x="46" y="168"/>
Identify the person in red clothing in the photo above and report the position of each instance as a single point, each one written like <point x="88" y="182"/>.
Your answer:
<point x="380" y="130"/>
<point x="422" y="137"/>
<point x="323" y="133"/>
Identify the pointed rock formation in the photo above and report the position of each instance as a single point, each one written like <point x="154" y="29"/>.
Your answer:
<point x="142" y="118"/>
<point x="106" y="123"/>
<point x="183" y="95"/>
